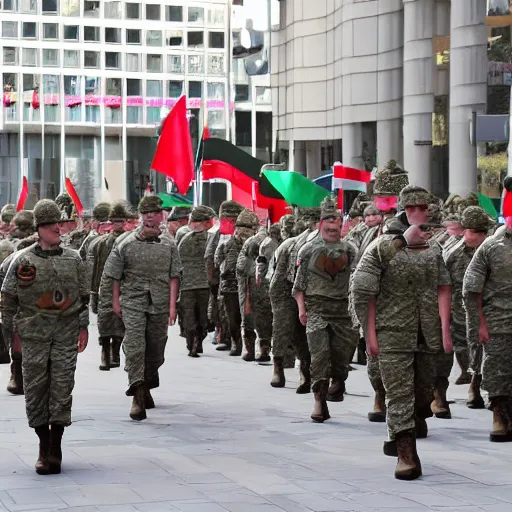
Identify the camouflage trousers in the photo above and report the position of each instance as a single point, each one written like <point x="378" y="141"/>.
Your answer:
<point x="144" y="347"/>
<point x="234" y="318"/>
<point x="109" y="324"/>
<point x="217" y="316"/>
<point x="260" y="318"/>
<point x="497" y="366"/>
<point x="444" y="364"/>
<point x="408" y="379"/>
<point x="476" y="352"/>
<point x="461" y="345"/>
<point x="330" y="348"/>
<point x="373" y="369"/>
<point x="49" y="375"/>
<point x="194" y="312"/>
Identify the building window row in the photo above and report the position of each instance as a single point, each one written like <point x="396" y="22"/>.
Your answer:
<point x="113" y="35"/>
<point x="117" y="10"/>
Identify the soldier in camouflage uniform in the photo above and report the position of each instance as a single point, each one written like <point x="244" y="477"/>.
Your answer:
<point x="487" y="299"/>
<point x="100" y="215"/>
<point x="226" y="257"/>
<point x="356" y="214"/>
<point x="401" y="295"/>
<point x="194" y="289"/>
<point x="6" y="215"/>
<point x="110" y="326"/>
<point x="45" y="299"/>
<point x="145" y="268"/>
<point x="321" y="290"/>
<point x="177" y="218"/>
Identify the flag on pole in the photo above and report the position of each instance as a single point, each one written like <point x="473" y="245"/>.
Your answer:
<point x="35" y="100"/>
<point x="198" y="162"/>
<point x="173" y="155"/>
<point x="74" y="196"/>
<point x="349" y="178"/>
<point x="23" y="195"/>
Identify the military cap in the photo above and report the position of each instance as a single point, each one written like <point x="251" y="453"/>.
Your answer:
<point x="474" y="217"/>
<point x="179" y="213"/>
<point x="131" y="211"/>
<point x="311" y="215"/>
<point x="247" y="219"/>
<point x="64" y="201"/>
<point x="150" y="204"/>
<point x="287" y="221"/>
<point x="230" y="210"/>
<point x="329" y="209"/>
<point x="101" y="212"/>
<point x="390" y="180"/>
<point x="470" y="200"/>
<point x="371" y="209"/>
<point x="412" y="195"/>
<point x="7" y="213"/>
<point x="358" y="205"/>
<point x="201" y="213"/>
<point x="117" y="212"/>
<point x="24" y="220"/>
<point x="46" y="211"/>
<point x="275" y="230"/>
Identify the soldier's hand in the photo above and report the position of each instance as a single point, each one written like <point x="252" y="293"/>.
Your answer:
<point x="303" y="318"/>
<point x="372" y="344"/>
<point x="116" y="308"/>
<point x="83" y="339"/>
<point x="447" y="342"/>
<point x="414" y="235"/>
<point x="172" y="316"/>
<point x="483" y="333"/>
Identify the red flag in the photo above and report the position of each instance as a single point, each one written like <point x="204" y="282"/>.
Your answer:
<point x="74" y="196"/>
<point x="23" y="195"/>
<point x="340" y="199"/>
<point x="206" y="133"/>
<point x="350" y="173"/>
<point x="173" y="155"/>
<point x="35" y="100"/>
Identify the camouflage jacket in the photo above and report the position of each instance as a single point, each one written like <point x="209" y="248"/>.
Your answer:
<point x="84" y="248"/>
<point x="191" y="247"/>
<point x="246" y="262"/>
<point x="145" y="269"/>
<point x="280" y="289"/>
<point x="405" y="284"/>
<point x="76" y="239"/>
<point x="265" y="261"/>
<point x="181" y="232"/>
<point x="99" y="252"/>
<point x="39" y="289"/>
<point x="356" y="234"/>
<point x="226" y="257"/>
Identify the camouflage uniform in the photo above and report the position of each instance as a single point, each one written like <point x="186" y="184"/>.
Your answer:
<point x="45" y="300"/>
<point x="194" y="290"/>
<point x="178" y="218"/>
<point x="99" y="214"/>
<point x="144" y="268"/>
<point x="6" y="215"/>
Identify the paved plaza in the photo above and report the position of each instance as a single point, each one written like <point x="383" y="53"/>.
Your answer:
<point x="221" y="439"/>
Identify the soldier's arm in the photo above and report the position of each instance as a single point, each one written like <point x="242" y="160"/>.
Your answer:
<point x="241" y="262"/>
<point x="9" y="304"/>
<point x="84" y="294"/>
<point x="175" y="271"/>
<point x="444" y="294"/>
<point x="219" y="255"/>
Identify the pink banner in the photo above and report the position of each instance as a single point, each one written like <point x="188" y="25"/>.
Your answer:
<point x="51" y="99"/>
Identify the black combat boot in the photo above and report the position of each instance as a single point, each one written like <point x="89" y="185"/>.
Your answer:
<point x="378" y="415"/>
<point x="475" y="400"/>
<point x="249" y="343"/>
<point x="305" y="376"/>
<point x="264" y="356"/>
<point x="320" y="409"/>
<point x="440" y="407"/>
<point x="115" y="352"/>
<point x="55" y="451"/>
<point x="41" y="466"/>
<point x="336" y="391"/>
<point x="149" y="403"/>
<point x="105" y="354"/>
<point x="15" y="385"/>
<point x="5" y="358"/>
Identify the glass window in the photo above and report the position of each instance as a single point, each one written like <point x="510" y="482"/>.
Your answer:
<point x="50" y="84"/>
<point x="92" y="8"/>
<point x="91" y="59"/>
<point x="50" y="57"/>
<point x="263" y="95"/>
<point x="70" y="32"/>
<point x="74" y="113"/>
<point x="70" y="7"/>
<point x="10" y="55"/>
<point x="133" y="87"/>
<point x="195" y="39"/>
<point x="132" y="36"/>
<point x="9" y="5"/>
<point x="196" y="64"/>
<point x="133" y="62"/>
<point x="49" y="6"/>
<point x="195" y="89"/>
<point x="113" y="86"/>
<point x="216" y="39"/>
<point x="71" y="58"/>
<point x="92" y="85"/>
<point x="112" y="60"/>
<point x="152" y="11"/>
<point x="216" y="119"/>
<point x="174" y="37"/>
<point x="196" y="14"/>
<point x="241" y="92"/>
<point x="28" y="6"/>
<point x="175" y="88"/>
<point x="154" y="38"/>
<point x="215" y="91"/>
<point x="112" y="35"/>
<point x="133" y="115"/>
<point x="92" y="114"/>
<point x="216" y="64"/>
<point x="72" y="85"/>
<point x="154" y="88"/>
<point x="50" y="31"/>
<point x="216" y="16"/>
<point x="10" y="29"/>
<point x="29" y="57"/>
<point x="30" y="82"/>
<point x="132" y="11"/>
<point x="29" y="30"/>
<point x="91" y="34"/>
<point x="153" y="114"/>
<point x="113" y="10"/>
<point x="173" y="13"/>
<point x="154" y="63"/>
<point x="175" y="64"/>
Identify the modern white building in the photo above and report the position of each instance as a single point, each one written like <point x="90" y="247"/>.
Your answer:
<point x="366" y="81"/>
<point x="86" y="82"/>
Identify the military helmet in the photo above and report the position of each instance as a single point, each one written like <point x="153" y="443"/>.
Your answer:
<point x="179" y="213"/>
<point x="7" y="213"/>
<point x="247" y="219"/>
<point x="150" y="204"/>
<point x="101" y="212"/>
<point x="46" y="212"/>
<point x="474" y="217"/>
<point x="411" y="195"/>
<point x="390" y="180"/>
<point x="24" y="220"/>
<point x="230" y="210"/>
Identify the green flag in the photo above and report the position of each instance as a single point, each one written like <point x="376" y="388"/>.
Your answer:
<point x="487" y="205"/>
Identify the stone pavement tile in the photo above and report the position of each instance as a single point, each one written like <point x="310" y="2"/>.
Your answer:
<point x="159" y="506"/>
<point x="287" y="504"/>
<point x="161" y="489"/>
<point x="324" y="503"/>
<point x="434" y="499"/>
<point x="208" y="489"/>
<point x="30" y="499"/>
<point x="474" y="493"/>
<point x="202" y="478"/>
<point x="200" y="507"/>
<point x="94" y="476"/>
<point x="380" y="500"/>
<point x="460" y="509"/>
<point x="244" y="507"/>
<point x="117" y="508"/>
<point x="323" y="486"/>
<point x="239" y="496"/>
<point x="498" y="507"/>
<point x="113" y="494"/>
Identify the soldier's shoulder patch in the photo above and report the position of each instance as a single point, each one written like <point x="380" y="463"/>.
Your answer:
<point x="26" y="274"/>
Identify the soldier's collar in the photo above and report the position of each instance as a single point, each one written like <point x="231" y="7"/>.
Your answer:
<point x="47" y="253"/>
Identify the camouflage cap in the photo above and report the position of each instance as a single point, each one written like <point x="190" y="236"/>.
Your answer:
<point x="179" y="213"/>
<point x="412" y="195"/>
<point x="309" y="214"/>
<point x="470" y="200"/>
<point x="230" y="210"/>
<point x="24" y="220"/>
<point x="117" y="212"/>
<point x="150" y="204"/>
<point x="371" y="209"/>
<point x="247" y="219"/>
<point x="64" y="201"/>
<point x="101" y="212"/>
<point x="46" y="211"/>
<point x="358" y="205"/>
<point x="329" y="209"/>
<point x="7" y="213"/>
<point x="131" y="211"/>
<point x="435" y="212"/>
<point x="474" y="217"/>
<point x="201" y="213"/>
<point x="287" y="222"/>
<point x="390" y="180"/>
<point x="275" y="230"/>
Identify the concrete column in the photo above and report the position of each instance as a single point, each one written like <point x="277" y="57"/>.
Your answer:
<point x="389" y="141"/>
<point x="313" y="158"/>
<point x="468" y="88"/>
<point x="300" y="157"/>
<point x="352" y="145"/>
<point x="418" y="90"/>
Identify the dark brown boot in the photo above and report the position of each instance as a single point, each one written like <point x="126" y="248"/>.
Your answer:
<point x="236" y="347"/>
<point x="199" y="348"/>
<point x="138" y="409"/>
<point x="249" y="343"/>
<point x="149" y="403"/>
<point x="305" y="377"/>
<point x="390" y="448"/>
<point x="475" y="400"/>
<point x="55" y="451"/>
<point x="408" y="466"/>
<point x="439" y="406"/>
<point x="421" y="428"/>
<point x="105" y="354"/>
<point x="5" y="358"/>
<point x="115" y="352"/>
<point x="289" y="358"/>
<point x="278" y="378"/>
<point x="41" y="466"/>
<point x="336" y="391"/>
<point x="361" y="352"/>
<point x="501" y="427"/>
<point x="264" y="356"/>
<point x="320" y="411"/>
<point x="463" y="360"/>
<point x="378" y="415"/>
<point x="192" y="345"/>
<point x="15" y="385"/>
